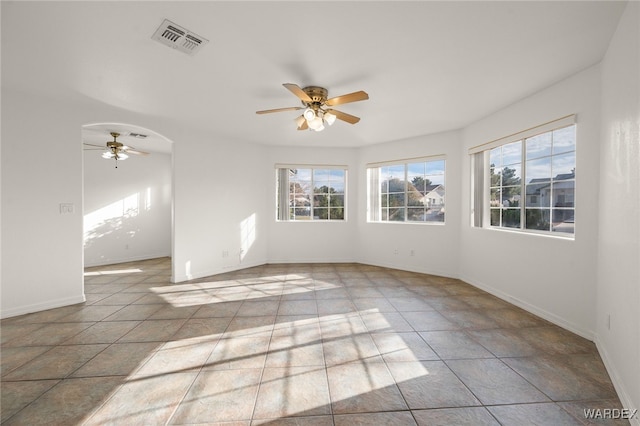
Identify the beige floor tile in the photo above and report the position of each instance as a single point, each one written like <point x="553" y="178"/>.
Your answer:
<point x="363" y="387"/>
<point x="68" y="403"/>
<point x="218" y="396"/>
<point x="14" y="396"/>
<point x="120" y="359"/>
<point x="293" y="391"/>
<point x="292" y="344"/>
<point x="102" y="332"/>
<point x="493" y="382"/>
<point x="467" y="416"/>
<point x="57" y="363"/>
<point x="143" y="401"/>
<point x="430" y="384"/>
<point x="395" y="347"/>
<point x="392" y="418"/>
<point x="544" y="414"/>
<point x="455" y="345"/>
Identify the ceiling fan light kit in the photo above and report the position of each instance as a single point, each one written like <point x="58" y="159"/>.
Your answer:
<point x="116" y="150"/>
<point x="315" y="103"/>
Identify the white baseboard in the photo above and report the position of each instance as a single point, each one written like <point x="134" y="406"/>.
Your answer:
<point x="124" y="259"/>
<point x="411" y="268"/>
<point x="618" y="384"/>
<point x="37" y="307"/>
<point x="214" y="271"/>
<point x="553" y="318"/>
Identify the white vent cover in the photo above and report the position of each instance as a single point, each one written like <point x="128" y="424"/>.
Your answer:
<point x="179" y="38"/>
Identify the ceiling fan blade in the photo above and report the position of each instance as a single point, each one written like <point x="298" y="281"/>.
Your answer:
<point x="303" y="126"/>
<point x="345" y="99"/>
<point x="98" y="146"/>
<point x="296" y="90"/>
<point x="130" y="150"/>
<point x="268" y="111"/>
<point x="344" y="116"/>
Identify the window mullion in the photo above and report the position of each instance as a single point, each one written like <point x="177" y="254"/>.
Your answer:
<point x="523" y="179"/>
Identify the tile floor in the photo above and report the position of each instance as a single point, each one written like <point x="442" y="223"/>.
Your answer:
<point x="317" y="344"/>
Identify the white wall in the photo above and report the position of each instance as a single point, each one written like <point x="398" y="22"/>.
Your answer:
<point x="618" y="282"/>
<point x="435" y="246"/>
<point x="41" y="168"/>
<point x="221" y="221"/>
<point x="550" y="276"/>
<point x="312" y="241"/>
<point x="127" y="210"/>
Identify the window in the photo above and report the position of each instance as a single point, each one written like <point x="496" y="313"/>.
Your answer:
<point x="411" y="191"/>
<point x="311" y="193"/>
<point x="532" y="180"/>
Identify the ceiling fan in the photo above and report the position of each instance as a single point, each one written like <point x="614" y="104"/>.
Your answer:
<point x="316" y="107"/>
<point x="116" y="150"/>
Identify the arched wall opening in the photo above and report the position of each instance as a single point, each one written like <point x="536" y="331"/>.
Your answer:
<point x="127" y="203"/>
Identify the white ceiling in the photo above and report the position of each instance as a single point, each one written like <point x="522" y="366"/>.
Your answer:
<point x="427" y="66"/>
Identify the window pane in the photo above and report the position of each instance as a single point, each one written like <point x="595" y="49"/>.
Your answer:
<point x="337" y="187"/>
<point x="564" y="166"/>
<point x="564" y="140"/>
<point x="300" y="174"/>
<point x="302" y="213"/>
<point x="302" y="200"/>
<point x="435" y="167"/>
<point x="415" y="169"/>
<point x="320" y="201"/>
<point x="539" y="195"/>
<point x="336" y="214"/>
<point x="396" y="200"/>
<point x="416" y="214"/>
<point x="321" y="214"/>
<point x="418" y="183"/>
<point x="396" y="214"/>
<point x="496" y="176"/>
<point x="538" y="219"/>
<point x="563" y="221"/>
<point x="384" y="201"/>
<point x="511" y="196"/>
<point x="512" y="175"/>
<point x="495" y="157"/>
<point x="511" y="218"/>
<point x="512" y="153"/>
<point x="564" y="193"/>
<point x="496" y="197"/>
<point x="435" y="179"/>
<point x="337" y="175"/>
<point x="538" y="146"/>
<point x="336" y="200"/>
<point x="324" y="189"/>
<point x="392" y="172"/>
<point x="435" y="214"/>
<point x="495" y="217"/>
<point x="539" y="170"/>
<point x="320" y="175"/>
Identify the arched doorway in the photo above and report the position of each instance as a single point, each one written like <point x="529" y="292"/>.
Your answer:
<point x="127" y="202"/>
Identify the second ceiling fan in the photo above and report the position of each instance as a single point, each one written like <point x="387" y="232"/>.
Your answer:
<point x="317" y="108"/>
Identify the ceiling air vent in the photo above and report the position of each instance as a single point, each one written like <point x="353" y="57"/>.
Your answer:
<point x="137" y="135"/>
<point x="179" y="38"/>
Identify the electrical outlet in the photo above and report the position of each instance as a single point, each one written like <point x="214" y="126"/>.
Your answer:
<point x="412" y="253"/>
<point x="395" y="251"/>
<point x="66" y="208"/>
<point x="225" y="253"/>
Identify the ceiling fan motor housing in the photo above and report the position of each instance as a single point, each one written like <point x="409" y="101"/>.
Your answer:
<point x="317" y="94"/>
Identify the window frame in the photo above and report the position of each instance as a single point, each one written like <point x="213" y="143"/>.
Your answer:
<point x="282" y="201"/>
<point x="374" y="189"/>
<point x="485" y="185"/>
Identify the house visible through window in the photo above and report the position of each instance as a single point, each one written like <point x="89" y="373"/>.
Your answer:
<point x="411" y="191"/>
<point x="311" y="193"/>
<point x="532" y="180"/>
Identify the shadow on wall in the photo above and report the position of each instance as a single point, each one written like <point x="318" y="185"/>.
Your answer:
<point x="120" y="221"/>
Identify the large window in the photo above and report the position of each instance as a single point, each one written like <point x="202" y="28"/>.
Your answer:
<point x="311" y="193"/>
<point x="411" y="191"/>
<point x="532" y="180"/>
